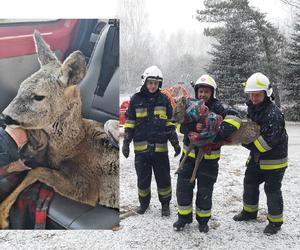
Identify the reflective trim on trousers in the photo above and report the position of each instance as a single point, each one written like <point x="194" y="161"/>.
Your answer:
<point x="144" y="192"/>
<point x="185" y="210"/>
<point x="275" y="218"/>
<point x="203" y="213"/>
<point x="250" y="208"/>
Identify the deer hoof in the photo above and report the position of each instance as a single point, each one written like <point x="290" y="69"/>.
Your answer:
<point x="4" y="223"/>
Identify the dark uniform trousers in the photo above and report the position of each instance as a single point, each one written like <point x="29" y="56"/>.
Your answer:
<point x="208" y="170"/>
<point x="159" y="162"/>
<point x="206" y="177"/>
<point x="254" y="176"/>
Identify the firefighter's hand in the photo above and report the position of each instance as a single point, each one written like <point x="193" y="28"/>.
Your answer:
<point x="125" y="149"/>
<point x="18" y="134"/>
<point x="199" y="127"/>
<point x="177" y="149"/>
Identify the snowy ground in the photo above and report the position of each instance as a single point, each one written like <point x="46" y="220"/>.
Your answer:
<point x="150" y="231"/>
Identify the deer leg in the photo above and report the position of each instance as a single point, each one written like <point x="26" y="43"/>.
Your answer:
<point x="17" y="166"/>
<point x="181" y="164"/>
<point x="53" y="178"/>
<point x="95" y="130"/>
<point x="197" y="163"/>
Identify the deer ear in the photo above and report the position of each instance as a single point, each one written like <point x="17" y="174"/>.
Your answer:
<point x="45" y="55"/>
<point x="71" y="93"/>
<point x="73" y="68"/>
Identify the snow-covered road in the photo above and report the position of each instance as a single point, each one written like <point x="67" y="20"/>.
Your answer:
<point x="150" y="231"/>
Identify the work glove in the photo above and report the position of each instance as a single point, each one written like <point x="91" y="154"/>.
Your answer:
<point x="177" y="149"/>
<point x="125" y="149"/>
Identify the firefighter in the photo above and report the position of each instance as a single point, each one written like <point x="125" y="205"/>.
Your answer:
<point x="148" y="125"/>
<point x="268" y="155"/>
<point x="205" y="89"/>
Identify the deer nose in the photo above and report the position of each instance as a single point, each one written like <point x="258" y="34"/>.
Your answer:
<point x="7" y="120"/>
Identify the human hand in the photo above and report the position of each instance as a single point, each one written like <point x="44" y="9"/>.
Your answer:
<point x="18" y="134"/>
<point x="177" y="149"/>
<point x="125" y="149"/>
<point x="199" y="127"/>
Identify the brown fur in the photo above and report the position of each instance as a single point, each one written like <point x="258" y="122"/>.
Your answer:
<point x="82" y="165"/>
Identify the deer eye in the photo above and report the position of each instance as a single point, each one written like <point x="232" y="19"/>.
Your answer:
<point x="38" y="97"/>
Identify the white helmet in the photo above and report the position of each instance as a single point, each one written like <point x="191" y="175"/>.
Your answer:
<point x="154" y="73"/>
<point x="205" y="80"/>
<point x="258" y="82"/>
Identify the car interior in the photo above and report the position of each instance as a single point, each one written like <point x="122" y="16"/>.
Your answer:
<point x="99" y="41"/>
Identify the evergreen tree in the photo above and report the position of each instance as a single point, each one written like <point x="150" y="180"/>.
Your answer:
<point x="292" y="72"/>
<point x="292" y="79"/>
<point x="255" y="43"/>
<point x="233" y="59"/>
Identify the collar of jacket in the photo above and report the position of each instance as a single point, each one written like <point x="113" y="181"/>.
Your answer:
<point x="144" y="92"/>
<point x="259" y="107"/>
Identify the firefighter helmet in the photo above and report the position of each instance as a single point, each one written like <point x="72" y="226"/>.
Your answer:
<point x="153" y="73"/>
<point x="258" y="82"/>
<point x="206" y="81"/>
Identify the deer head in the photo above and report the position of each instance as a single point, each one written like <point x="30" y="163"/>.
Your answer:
<point x="49" y="92"/>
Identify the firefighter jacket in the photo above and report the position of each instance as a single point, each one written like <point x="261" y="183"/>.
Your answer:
<point x="270" y="149"/>
<point x="231" y="123"/>
<point x="148" y="122"/>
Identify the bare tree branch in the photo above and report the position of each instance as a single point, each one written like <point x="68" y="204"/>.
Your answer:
<point x="295" y="4"/>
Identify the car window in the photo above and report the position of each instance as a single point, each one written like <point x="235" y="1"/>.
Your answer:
<point x="110" y="61"/>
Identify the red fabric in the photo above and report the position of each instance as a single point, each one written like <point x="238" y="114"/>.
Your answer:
<point x="31" y="207"/>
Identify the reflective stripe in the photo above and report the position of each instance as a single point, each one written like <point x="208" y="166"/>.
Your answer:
<point x="250" y="208"/>
<point x="275" y="218"/>
<point x="144" y="192"/>
<point x="185" y="210"/>
<point x="203" y="213"/>
<point x="191" y="154"/>
<point x="260" y="84"/>
<point x="140" y="146"/>
<point x="213" y="155"/>
<point x="178" y="126"/>
<point x="233" y="120"/>
<point x="165" y="191"/>
<point x="161" y="111"/>
<point x="129" y="124"/>
<point x="170" y="124"/>
<point x="273" y="164"/>
<point x="141" y="112"/>
<point x="160" y="148"/>
<point x="261" y="145"/>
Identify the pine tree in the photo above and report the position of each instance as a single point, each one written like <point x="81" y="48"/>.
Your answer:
<point x="292" y="79"/>
<point x="256" y="44"/>
<point x="292" y="72"/>
<point x="233" y="59"/>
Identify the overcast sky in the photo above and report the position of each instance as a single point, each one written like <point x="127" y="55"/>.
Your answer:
<point x="169" y="15"/>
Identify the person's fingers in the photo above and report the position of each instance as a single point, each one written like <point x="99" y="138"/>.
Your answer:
<point x="18" y="134"/>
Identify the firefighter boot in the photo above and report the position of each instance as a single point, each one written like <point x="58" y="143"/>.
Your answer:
<point x="141" y="209"/>
<point x="203" y="228"/>
<point x="272" y="228"/>
<point x="165" y="209"/>
<point x="244" y="216"/>
<point x="180" y="224"/>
